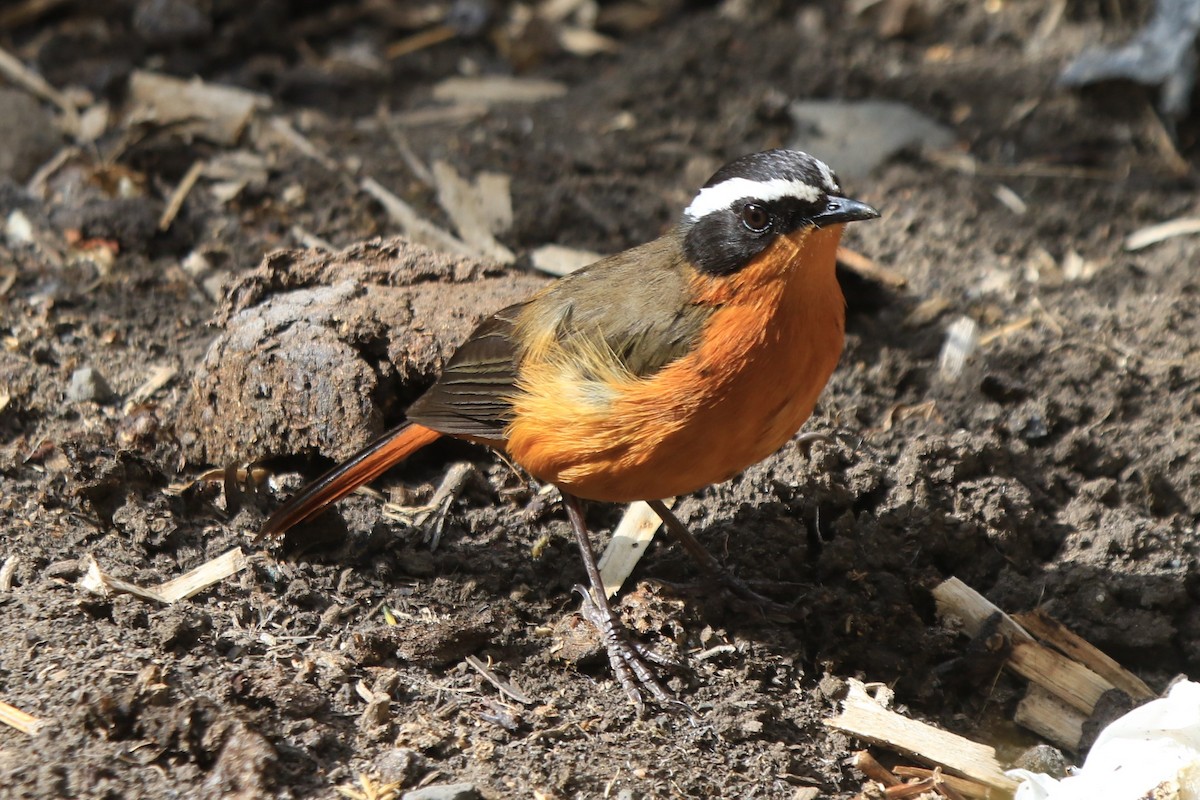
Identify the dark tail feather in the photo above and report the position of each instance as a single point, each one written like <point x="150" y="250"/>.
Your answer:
<point x="363" y="467"/>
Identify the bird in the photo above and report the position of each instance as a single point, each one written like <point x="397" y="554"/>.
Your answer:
<point x="650" y="373"/>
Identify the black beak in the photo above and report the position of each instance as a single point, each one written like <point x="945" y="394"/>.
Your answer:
<point x="843" y="209"/>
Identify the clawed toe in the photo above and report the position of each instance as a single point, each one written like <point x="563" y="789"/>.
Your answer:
<point x="630" y="659"/>
<point x="433" y="515"/>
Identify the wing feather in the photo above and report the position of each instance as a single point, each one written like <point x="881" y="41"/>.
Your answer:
<point x="638" y="316"/>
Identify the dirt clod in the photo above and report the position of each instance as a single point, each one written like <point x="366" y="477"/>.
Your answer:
<point x="320" y="353"/>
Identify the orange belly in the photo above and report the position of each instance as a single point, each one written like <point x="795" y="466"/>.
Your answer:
<point x="766" y="352"/>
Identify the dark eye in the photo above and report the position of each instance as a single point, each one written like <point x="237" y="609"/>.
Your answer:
<point x="755" y="217"/>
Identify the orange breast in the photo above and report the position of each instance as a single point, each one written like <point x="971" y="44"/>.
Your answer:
<point x="766" y="353"/>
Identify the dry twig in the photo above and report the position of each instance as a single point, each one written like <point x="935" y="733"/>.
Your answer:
<point x="1144" y="237"/>
<point x="870" y="269"/>
<point x="175" y="203"/>
<point x="16" y="718"/>
<point x="22" y="76"/>
<point x="24" y="12"/>
<point x="505" y="687"/>
<point x="190" y="583"/>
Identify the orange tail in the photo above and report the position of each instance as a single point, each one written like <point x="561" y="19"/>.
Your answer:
<point x="364" y="466"/>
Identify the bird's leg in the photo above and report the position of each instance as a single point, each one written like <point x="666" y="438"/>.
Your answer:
<point x="628" y="658"/>
<point x="707" y="562"/>
<point x="432" y="516"/>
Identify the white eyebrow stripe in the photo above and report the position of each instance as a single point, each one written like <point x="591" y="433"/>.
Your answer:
<point x="720" y="196"/>
<point x="827" y="176"/>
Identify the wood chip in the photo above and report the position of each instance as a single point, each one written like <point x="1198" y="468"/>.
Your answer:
<point x="584" y="42"/>
<point x="962" y="338"/>
<point x="480" y="208"/>
<point x="1004" y="331"/>
<point x="1051" y="718"/>
<point x="97" y="581"/>
<point x="962" y="606"/>
<point x="713" y="652"/>
<point x="208" y="110"/>
<point x="1010" y="200"/>
<point x="415" y="227"/>
<point x="232" y="172"/>
<point x="1052" y="632"/>
<point x="18" y="230"/>
<point x="926" y="312"/>
<point x="490" y="90"/>
<point x="867" y="765"/>
<point x="409" y="156"/>
<point x="36" y="185"/>
<point x="1068" y="680"/>
<point x="244" y="477"/>
<point x="866" y="718"/>
<point x="93" y="122"/>
<point x="555" y="259"/>
<point x="282" y="129"/>
<point x="1163" y="139"/>
<point x="16" y="718"/>
<point x="902" y="791"/>
<point x="1144" y="237"/>
<point x="1077" y="268"/>
<point x="629" y="541"/>
<point x="419" y="41"/>
<point x="926" y="410"/>
<point x="7" y="571"/>
<point x="308" y="239"/>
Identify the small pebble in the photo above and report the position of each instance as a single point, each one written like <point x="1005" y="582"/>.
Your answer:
<point x="444" y="791"/>
<point x="166" y="22"/>
<point x="1044" y="759"/>
<point x="28" y="136"/>
<point x="88" y="385"/>
<point x="400" y="765"/>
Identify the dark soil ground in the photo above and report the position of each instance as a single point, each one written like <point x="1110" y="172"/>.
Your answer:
<point x="1060" y="468"/>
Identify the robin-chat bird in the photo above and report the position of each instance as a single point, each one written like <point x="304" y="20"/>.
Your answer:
<point x="651" y="373"/>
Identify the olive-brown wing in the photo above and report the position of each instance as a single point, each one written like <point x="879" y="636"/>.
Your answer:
<point x="636" y="303"/>
<point x="471" y="398"/>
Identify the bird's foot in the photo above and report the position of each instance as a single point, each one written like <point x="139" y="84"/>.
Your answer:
<point x="713" y="568"/>
<point x="631" y="660"/>
<point x="432" y="516"/>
